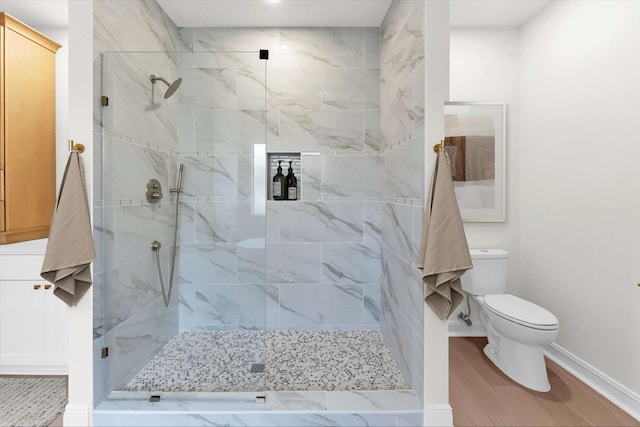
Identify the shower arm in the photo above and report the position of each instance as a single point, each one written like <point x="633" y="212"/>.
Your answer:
<point x="155" y="78"/>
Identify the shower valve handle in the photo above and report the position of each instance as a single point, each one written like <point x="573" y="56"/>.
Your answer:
<point x="153" y="190"/>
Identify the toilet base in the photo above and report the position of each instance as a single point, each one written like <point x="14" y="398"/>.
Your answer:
<point x="522" y="363"/>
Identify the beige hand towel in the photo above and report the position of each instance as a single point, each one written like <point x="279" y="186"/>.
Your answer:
<point x="70" y="249"/>
<point x="444" y="254"/>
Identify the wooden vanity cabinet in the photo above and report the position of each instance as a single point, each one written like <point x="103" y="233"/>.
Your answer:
<point x="27" y="132"/>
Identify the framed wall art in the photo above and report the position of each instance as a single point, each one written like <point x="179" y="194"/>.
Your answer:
<point x="475" y="139"/>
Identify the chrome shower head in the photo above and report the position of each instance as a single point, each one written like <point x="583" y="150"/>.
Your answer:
<point x="172" y="87"/>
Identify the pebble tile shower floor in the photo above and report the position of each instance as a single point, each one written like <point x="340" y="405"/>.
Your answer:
<point x="220" y="361"/>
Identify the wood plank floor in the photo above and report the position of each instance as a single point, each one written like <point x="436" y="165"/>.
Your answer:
<point x="481" y="395"/>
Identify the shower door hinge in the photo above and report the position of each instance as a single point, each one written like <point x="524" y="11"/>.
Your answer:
<point x="104" y="101"/>
<point x="104" y="352"/>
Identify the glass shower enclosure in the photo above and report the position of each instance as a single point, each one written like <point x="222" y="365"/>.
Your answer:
<point x="183" y="185"/>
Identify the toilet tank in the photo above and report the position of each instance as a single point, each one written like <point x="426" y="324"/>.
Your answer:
<point x="489" y="273"/>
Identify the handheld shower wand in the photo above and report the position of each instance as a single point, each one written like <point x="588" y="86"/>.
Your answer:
<point x="178" y="187"/>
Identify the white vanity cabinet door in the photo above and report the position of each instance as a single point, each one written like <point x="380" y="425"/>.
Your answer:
<point x="22" y="324"/>
<point x="56" y="338"/>
<point x="33" y="321"/>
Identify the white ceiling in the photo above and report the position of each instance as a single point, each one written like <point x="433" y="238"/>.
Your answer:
<point x="329" y="13"/>
<point x="493" y="13"/>
<point x="284" y="13"/>
<point x="38" y="13"/>
<point x="289" y="13"/>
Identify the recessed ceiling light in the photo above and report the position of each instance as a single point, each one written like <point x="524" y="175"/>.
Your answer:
<point x="273" y="1"/>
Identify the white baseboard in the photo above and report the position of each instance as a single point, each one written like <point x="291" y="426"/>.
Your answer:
<point x="76" y="416"/>
<point x="618" y="394"/>
<point x="461" y="329"/>
<point x="33" y="370"/>
<point x="440" y="415"/>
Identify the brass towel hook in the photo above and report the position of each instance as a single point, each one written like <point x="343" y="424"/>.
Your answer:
<point x="76" y="147"/>
<point x="439" y="146"/>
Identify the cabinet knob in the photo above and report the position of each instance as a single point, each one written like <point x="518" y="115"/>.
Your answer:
<point x="36" y="287"/>
<point x="47" y="286"/>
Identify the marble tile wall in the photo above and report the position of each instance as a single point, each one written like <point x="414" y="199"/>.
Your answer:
<point x="323" y="257"/>
<point x="402" y="144"/>
<point x="319" y="95"/>
<point x="135" y="139"/>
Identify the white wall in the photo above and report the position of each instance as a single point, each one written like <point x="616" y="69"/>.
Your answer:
<point x="437" y="411"/>
<point x="80" y="399"/>
<point x="578" y="178"/>
<point x="569" y="79"/>
<point x="484" y="68"/>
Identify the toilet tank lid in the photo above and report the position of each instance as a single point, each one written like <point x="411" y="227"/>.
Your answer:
<point x="488" y="253"/>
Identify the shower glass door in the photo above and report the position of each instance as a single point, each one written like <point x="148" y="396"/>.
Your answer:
<point x="201" y="329"/>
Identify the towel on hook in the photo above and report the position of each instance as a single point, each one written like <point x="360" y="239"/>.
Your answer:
<point x="70" y="249"/>
<point x="444" y="254"/>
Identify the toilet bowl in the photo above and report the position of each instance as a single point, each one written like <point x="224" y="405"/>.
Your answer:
<point x="517" y="330"/>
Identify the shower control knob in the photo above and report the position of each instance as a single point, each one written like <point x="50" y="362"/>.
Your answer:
<point x="153" y="191"/>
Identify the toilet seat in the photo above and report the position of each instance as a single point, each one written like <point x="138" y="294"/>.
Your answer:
<point x="521" y="311"/>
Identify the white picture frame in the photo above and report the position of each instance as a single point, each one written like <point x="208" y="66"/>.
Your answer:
<point x="475" y="140"/>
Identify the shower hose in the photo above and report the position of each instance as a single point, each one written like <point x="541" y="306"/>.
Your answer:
<point x="155" y="246"/>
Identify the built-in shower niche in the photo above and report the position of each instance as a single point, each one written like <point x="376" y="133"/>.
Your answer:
<point x="272" y="170"/>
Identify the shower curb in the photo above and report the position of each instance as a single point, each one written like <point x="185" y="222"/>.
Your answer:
<point x="384" y="407"/>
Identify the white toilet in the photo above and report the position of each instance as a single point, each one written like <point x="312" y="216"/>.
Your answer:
<point x="516" y="329"/>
